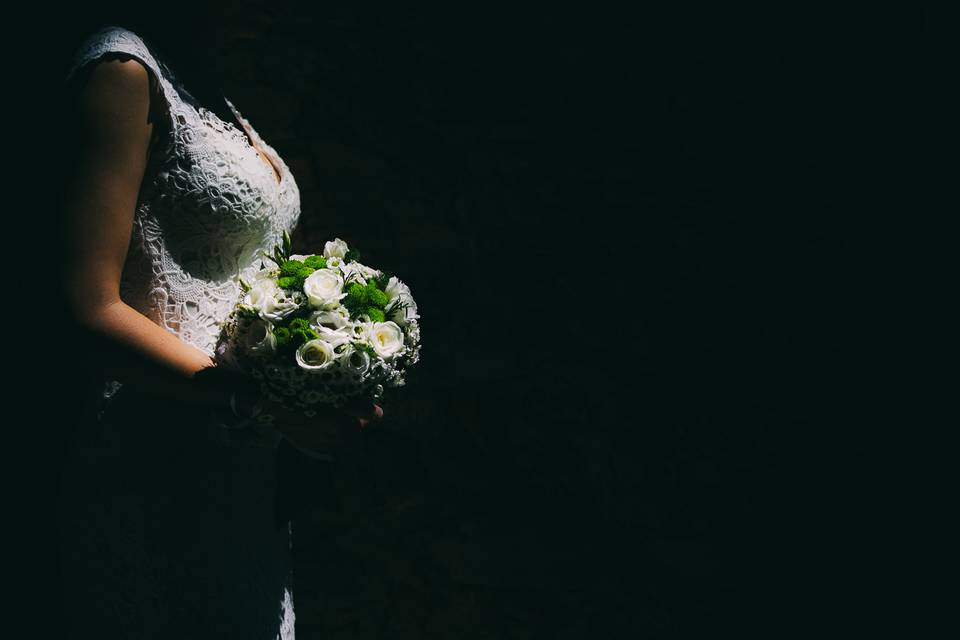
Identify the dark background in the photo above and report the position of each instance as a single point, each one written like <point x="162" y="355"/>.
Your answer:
<point x="653" y="251"/>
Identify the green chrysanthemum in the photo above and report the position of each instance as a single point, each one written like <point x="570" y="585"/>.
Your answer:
<point x="288" y="282"/>
<point x="282" y="334"/>
<point x="301" y="274"/>
<point x="316" y="262"/>
<point x="298" y="324"/>
<point x="299" y="336"/>
<point x="376" y="315"/>
<point x="356" y="296"/>
<point x="376" y="297"/>
<point x="290" y="267"/>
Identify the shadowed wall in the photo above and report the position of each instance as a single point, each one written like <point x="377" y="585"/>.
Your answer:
<point x="648" y="255"/>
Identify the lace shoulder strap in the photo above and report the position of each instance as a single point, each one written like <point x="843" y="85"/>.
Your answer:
<point x="115" y="39"/>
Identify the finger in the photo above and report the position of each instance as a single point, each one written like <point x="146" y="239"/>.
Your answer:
<point x="363" y="409"/>
<point x="373" y="414"/>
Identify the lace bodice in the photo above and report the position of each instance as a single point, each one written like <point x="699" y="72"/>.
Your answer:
<point x="207" y="206"/>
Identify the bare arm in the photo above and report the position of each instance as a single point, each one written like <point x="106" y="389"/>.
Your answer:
<point x="111" y="128"/>
<point x="110" y="136"/>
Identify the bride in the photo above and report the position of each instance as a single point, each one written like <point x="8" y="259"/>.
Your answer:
<point x="168" y="524"/>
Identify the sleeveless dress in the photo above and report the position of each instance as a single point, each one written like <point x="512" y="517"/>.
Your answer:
<point x="168" y="525"/>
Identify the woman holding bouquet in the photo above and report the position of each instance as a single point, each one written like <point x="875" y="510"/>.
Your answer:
<point x="167" y="516"/>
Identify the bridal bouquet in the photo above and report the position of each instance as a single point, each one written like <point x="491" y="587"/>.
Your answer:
<point x="321" y="328"/>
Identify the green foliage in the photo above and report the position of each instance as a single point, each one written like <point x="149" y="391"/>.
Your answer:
<point x="316" y="262"/>
<point x="281" y="252"/>
<point x="354" y="278"/>
<point x="396" y="306"/>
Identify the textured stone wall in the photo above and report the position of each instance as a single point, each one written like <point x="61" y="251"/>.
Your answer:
<point x="634" y="237"/>
<point x="653" y="270"/>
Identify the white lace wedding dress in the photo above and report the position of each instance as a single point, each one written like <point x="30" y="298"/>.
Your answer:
<point x="168" y="525"/>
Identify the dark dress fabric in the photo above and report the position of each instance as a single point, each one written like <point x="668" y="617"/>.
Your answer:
<point x="166" y="532"/>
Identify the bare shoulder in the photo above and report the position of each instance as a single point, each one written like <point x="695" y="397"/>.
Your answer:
<point x="116" y="93"/>
<point x="119" y="78"/>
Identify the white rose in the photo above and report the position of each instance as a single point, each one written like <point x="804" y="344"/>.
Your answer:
<point x="336" y="318"/>
<point x="269" y="300"/>
<point x="397" y="290"/>
<point x="359" y="272"/>
<point x="335" y="247"/>
<point x="386" y="339"/>
<point x="334" y="337"/>
<point x="363" y="329"/>
<point x="324" y="288"/>
<point x="262" y="288"/>
<point x="315" y="355"/>
<point x="355" y="360"/>
<point x="280" y="309"/>
<point x="259" y="339"/>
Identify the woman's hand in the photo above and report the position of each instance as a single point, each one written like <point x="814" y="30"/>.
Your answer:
<point x="331" y="430"/>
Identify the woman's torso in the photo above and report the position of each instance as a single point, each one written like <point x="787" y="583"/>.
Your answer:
<point x="214" y="195"/>
<point x="164" y="519"/>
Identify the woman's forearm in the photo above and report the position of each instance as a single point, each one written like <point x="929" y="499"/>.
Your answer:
<point x="135" y="350"/>
<point x="108" y="140"/>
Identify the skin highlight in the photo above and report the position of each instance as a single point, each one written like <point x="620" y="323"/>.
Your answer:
<point x="114" y="119"/>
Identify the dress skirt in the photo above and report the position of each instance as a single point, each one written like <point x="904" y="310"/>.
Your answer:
<point x="166" y="531"/>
